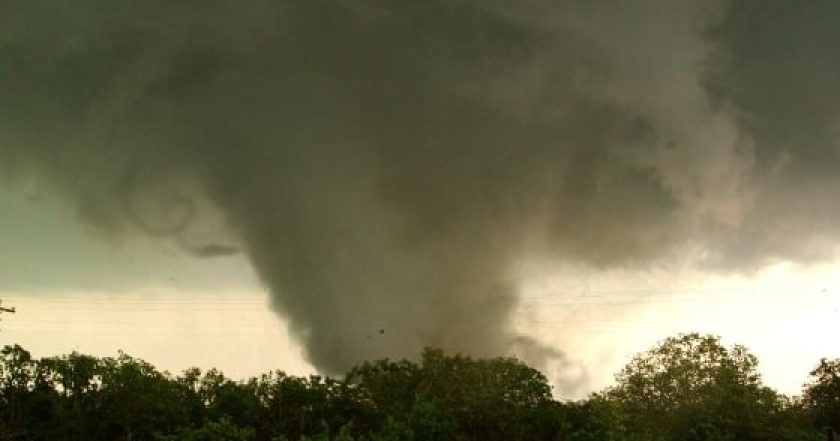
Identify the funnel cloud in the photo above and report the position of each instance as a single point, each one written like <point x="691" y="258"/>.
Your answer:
<point x="388" y="165"/>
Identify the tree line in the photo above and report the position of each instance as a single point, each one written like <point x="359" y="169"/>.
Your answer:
<point x="688" y="388"/>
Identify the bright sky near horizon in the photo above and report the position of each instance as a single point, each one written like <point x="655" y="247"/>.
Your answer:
<point x="177" y="311"/>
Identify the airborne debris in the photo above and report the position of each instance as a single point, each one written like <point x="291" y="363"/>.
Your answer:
<point x="3" y="309"/>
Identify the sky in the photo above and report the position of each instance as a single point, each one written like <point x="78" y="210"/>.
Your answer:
<point x="271" y="184"/>
<point x="74" y="292"/>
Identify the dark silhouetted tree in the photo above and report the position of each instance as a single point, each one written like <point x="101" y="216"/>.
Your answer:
<point x="822" y="394"/>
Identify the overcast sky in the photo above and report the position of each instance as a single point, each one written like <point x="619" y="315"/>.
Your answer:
<point x="271" y="183"/>
<point x="77" y="293"/>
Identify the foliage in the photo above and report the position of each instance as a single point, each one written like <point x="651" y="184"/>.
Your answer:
<point x="221" y="430"/>
<point x="822" y="394"/>
<point x="688" y="388"/>
<point x="691" y="387"/>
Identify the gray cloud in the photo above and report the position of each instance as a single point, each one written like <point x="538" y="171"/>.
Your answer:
<point x="385" y="165"/>
<point x="776" y="64"/>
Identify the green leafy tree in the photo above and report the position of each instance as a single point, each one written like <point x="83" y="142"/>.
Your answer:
<point x="594" y="419"/>
<point x="455" y="397"/>
<point x="226" y="398"/>
<point x="691" y="387"/>
<point x="822" y="394"/>
<point x="17" y="377"/>
<point x="75" y="379"/>
<point x="295" y="407"/>
<point x="135" y="401"/>
<point x="221" y="430"/>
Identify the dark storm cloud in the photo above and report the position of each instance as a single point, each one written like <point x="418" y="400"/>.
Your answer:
<point x="386" y="165"/>
<point x="777" y="63"/>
